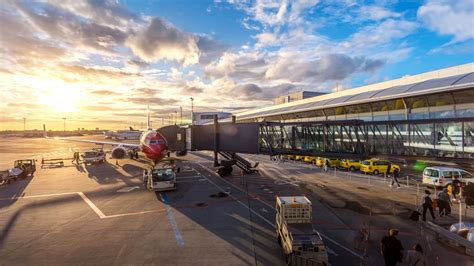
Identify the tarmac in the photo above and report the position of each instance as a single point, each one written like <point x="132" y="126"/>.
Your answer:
<point x="102" y="214"/>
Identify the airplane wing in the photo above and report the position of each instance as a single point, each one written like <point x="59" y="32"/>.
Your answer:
<point x="126" y="145"/>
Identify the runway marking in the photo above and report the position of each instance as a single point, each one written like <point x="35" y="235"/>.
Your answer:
<point x="273" y="208"/>
<point x="87" y="201"/>
<point x="174" y="225"/>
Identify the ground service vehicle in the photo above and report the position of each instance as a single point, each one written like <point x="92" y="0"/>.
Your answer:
<point x="351" y="165"/>
<point x="376" y="166"/>
<point x="295" y="232"/>
<point x="93" y="156"/>
<point x="161" y="177"/>
<point x="440" y="176"/>
<point x="28" y="167"/>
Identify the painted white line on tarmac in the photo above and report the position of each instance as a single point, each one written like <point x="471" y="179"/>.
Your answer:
<point x="92" y="205"/>
<point x="39" y="196"/>
<point x="87" y="201"/>
<point x="270" y="223"/>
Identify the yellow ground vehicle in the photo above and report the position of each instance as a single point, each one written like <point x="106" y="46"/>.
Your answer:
<point x="299" y="157"/>
<point x="321" y="161"/>
<point x="351" y="165"/>
<point x="310" y="159"/>
<point x="377" y="166"/>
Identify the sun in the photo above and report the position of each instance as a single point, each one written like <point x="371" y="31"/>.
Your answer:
<point x="60" y="101"/>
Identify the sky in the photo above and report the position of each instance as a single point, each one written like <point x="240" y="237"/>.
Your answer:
<point x="99" y="63"/>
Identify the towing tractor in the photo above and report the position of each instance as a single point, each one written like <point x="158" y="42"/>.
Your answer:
<point x="295" y="232"/>
<point x="28" y="167"/>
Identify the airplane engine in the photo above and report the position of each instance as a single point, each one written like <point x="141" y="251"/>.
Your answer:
<point x="119" y="153"/>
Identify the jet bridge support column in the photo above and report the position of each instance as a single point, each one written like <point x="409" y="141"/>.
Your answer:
<point x="216" y="141"/>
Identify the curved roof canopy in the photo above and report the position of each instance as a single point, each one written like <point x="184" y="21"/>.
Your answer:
<point x="429" y="86"/>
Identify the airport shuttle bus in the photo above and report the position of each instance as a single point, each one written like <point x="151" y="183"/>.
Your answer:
<point x="161" y="177"/>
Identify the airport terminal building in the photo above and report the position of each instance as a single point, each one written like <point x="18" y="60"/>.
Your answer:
<point x="430" y="114"/>
<point x="446" y="93"/>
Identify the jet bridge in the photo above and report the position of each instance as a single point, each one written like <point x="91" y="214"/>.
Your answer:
<point x="442" y="139"/>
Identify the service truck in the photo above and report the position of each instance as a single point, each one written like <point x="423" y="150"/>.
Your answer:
<point x="295" y="232"/>
<point x="160" y="177"/>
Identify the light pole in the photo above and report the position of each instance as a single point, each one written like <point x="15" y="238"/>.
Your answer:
<point x="180" y="115"/>
<point x="64" y="118"/>
<point x="192" y="110"/>
<point x="175" y="117"/>
<point x="24" y="123"/>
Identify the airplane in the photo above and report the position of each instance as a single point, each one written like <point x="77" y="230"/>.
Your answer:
<point x="123" y="134"/>
<point x="152" y="144"/>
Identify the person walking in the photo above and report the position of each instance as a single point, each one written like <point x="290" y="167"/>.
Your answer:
<point x="427" y="205"/>
<point x="326" y="165"/>
<point x="77" y="157"/>
<point x="391" y="248"/>
<point x="395" y="176"/>
<point x="444" y="202"/>
<point x="73" y="157"/>
<point x="456" y="183"/>
<point x="415" y="256"/>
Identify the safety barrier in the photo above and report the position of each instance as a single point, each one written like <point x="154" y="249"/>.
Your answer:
<point x="451" y="238"/>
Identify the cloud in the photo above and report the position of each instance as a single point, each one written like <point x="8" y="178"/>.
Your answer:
<point x="105" y="92"/>
<point x="150" y="101"/>
<point x="146" y="91"/>
<point x="161" y="40"/>
<point x="376" y="13"/>
<point x="455" y="18"/>
<point x="62" y="25"/>
<point x="210" y="49"/>
<point x="99" y="108"/>
<point x="192" y="90"/>
<point x="19" y="44"/>
<point x="328" y="67"/>
<point x="254" y="92"/>
<point x="107" y="12"/>
<point x="77" y="73"/>
<point x="135" y="63"/>
<point x="24" y="105"/>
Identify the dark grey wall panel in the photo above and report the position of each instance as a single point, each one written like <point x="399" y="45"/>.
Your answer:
<point x="175" y="137"/>
<point x="240" y="138"/>
<point x="202" y="137"/>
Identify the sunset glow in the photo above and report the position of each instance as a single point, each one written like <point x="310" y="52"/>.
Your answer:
<point x="100" y="63"/>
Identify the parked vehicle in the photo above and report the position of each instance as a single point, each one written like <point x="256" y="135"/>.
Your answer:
<point x="333" y="162"/>
<point x="27" y="166"/>
<point x="310" y="159"/>
<point x="377" y="166"/>
<point x="161" y="177"/>
<point x="21" y="169"/>
<point x="299" y="157"/>
<point x="93" y="156"/>
<point x="295" y="231"/>
<point x="440" y="176"/>
<point x="351" y="165"/>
